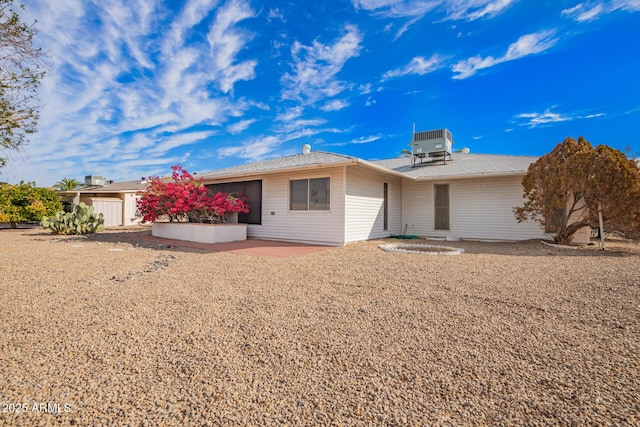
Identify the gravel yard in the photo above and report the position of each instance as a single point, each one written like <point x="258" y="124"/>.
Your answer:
<point x="109" y="330"/>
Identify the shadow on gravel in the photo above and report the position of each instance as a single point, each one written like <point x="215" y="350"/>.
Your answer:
<point x="143" y="238"/>
<point x="614" y="248"/>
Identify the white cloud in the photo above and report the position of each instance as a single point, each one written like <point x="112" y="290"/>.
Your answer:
<point x="418" y="65"/>
<point x="366" y="139"/>
<point x="412" y="10"/>
<point x="297" y="124"/>
<point x="538" y="119"/>
<point x="335" y="105"/>
<point x="226" y="41"/>
<point x="122" y="84"/>
<point x="584" y="13"/>
<point x="592" y="10"/>
<point x="528" y="44"/>
<point x="533" y="120"/>
<point x="290" y="114"/>
<point x="315" y="68"/>
<point x="415" y="10"/>
<point x="471" y="10"/>
<point x="240" y="126"/>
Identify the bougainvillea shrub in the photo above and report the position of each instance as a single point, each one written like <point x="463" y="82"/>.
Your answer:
<point x="184" y="198"/>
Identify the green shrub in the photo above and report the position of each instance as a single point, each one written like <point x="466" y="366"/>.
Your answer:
<point x="82" y="220"/>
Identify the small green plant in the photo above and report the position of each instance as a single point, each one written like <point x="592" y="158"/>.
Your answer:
<point x="82" y="220"/>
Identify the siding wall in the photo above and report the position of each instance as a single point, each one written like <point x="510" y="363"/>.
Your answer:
<point x="279" y="223"/>
<point x="364" y="210"/>
<point x="479" y="209"/>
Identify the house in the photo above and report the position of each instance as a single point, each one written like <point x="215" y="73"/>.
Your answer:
<point x="115" y="200"/>
<point x="333" y="199"/>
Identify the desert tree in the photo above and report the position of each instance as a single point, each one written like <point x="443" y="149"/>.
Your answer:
<point x="21" y="70"/>
<point x="576" y="185"/>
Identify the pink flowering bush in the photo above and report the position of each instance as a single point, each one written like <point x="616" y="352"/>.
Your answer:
<point x="183" y="198"/>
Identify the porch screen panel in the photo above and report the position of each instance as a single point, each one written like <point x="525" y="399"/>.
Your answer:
<point x="252" y="190"/>
<point x="299" y="195"/>
<point x="441" y="196"/>
<point x="319" y="194"/>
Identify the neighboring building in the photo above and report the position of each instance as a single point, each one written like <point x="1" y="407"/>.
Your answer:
<point x="333" y="199"/>
<point x="115" y="200"/>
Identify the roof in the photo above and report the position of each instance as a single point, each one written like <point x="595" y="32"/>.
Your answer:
<point x="462" y="165"/>
<point x="116" y="187"/>
<point x="314" y="159"/>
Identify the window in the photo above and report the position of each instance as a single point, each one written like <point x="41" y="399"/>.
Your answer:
<point x="309" y="194"/>
<point x="253" y="192"/>
<point x="441" y="197"/>
<point x="385" y="206"/>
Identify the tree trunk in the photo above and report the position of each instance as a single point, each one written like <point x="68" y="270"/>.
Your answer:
<point x="14" y="225"/>
<point x="564" y="237"/>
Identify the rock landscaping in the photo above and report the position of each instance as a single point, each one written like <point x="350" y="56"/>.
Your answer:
<point x="109" y="330"/>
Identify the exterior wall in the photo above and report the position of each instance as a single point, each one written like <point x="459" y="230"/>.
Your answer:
<point x="202" y="233"/>
<point x="280" y="223"/>
<point x="109" y="207"/>
<point x="129" y="208"/>
<point x="364" y="205"/>
<point x="105" y="203"/>
<point x="479" y="209"/>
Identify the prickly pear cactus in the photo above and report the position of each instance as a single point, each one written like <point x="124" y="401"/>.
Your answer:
<point x="82" y="220"/>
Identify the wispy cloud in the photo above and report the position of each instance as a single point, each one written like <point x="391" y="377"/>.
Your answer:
<point x="397" y="8"/>
<point x="335" y="105"/>
<point x="315" y="67"/>
<point x="593" y="10"/>
<point x="240" y="126"/>
<point x="470" y="10"/>
<point x="528" y="44"/>
<point x="226" y="41"/>
<point x="120" y="81"/>
<point x="412" y="11"/>
<point x="584" y="13"/>
<point x="418" y="65"/>
<point x="533" y="120"/>
<point x="538" y="119"/>
<point x="366" y="139"/>
<point x="264" y="147"/>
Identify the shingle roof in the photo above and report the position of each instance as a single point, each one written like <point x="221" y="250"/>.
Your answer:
<point x="297" y="161"/>
<point x="461" y="165"/>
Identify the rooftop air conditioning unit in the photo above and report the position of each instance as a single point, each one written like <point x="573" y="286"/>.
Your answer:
<point x="432" y="144"/>
<point x="93" y="180"/>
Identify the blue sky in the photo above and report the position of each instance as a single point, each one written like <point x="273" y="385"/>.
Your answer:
<point x="136" y="86"/>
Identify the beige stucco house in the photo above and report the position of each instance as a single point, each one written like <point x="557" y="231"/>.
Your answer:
<point x="115" y="200"/>
<point x="333" y="199"/>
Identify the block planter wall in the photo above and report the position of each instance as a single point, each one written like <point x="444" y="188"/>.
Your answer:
<point x="201" y="233"/>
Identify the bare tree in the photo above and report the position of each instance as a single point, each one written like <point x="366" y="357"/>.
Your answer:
<point x="21" y="70"/>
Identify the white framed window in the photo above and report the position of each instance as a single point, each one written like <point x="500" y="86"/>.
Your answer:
<point x="310" y="194"/>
